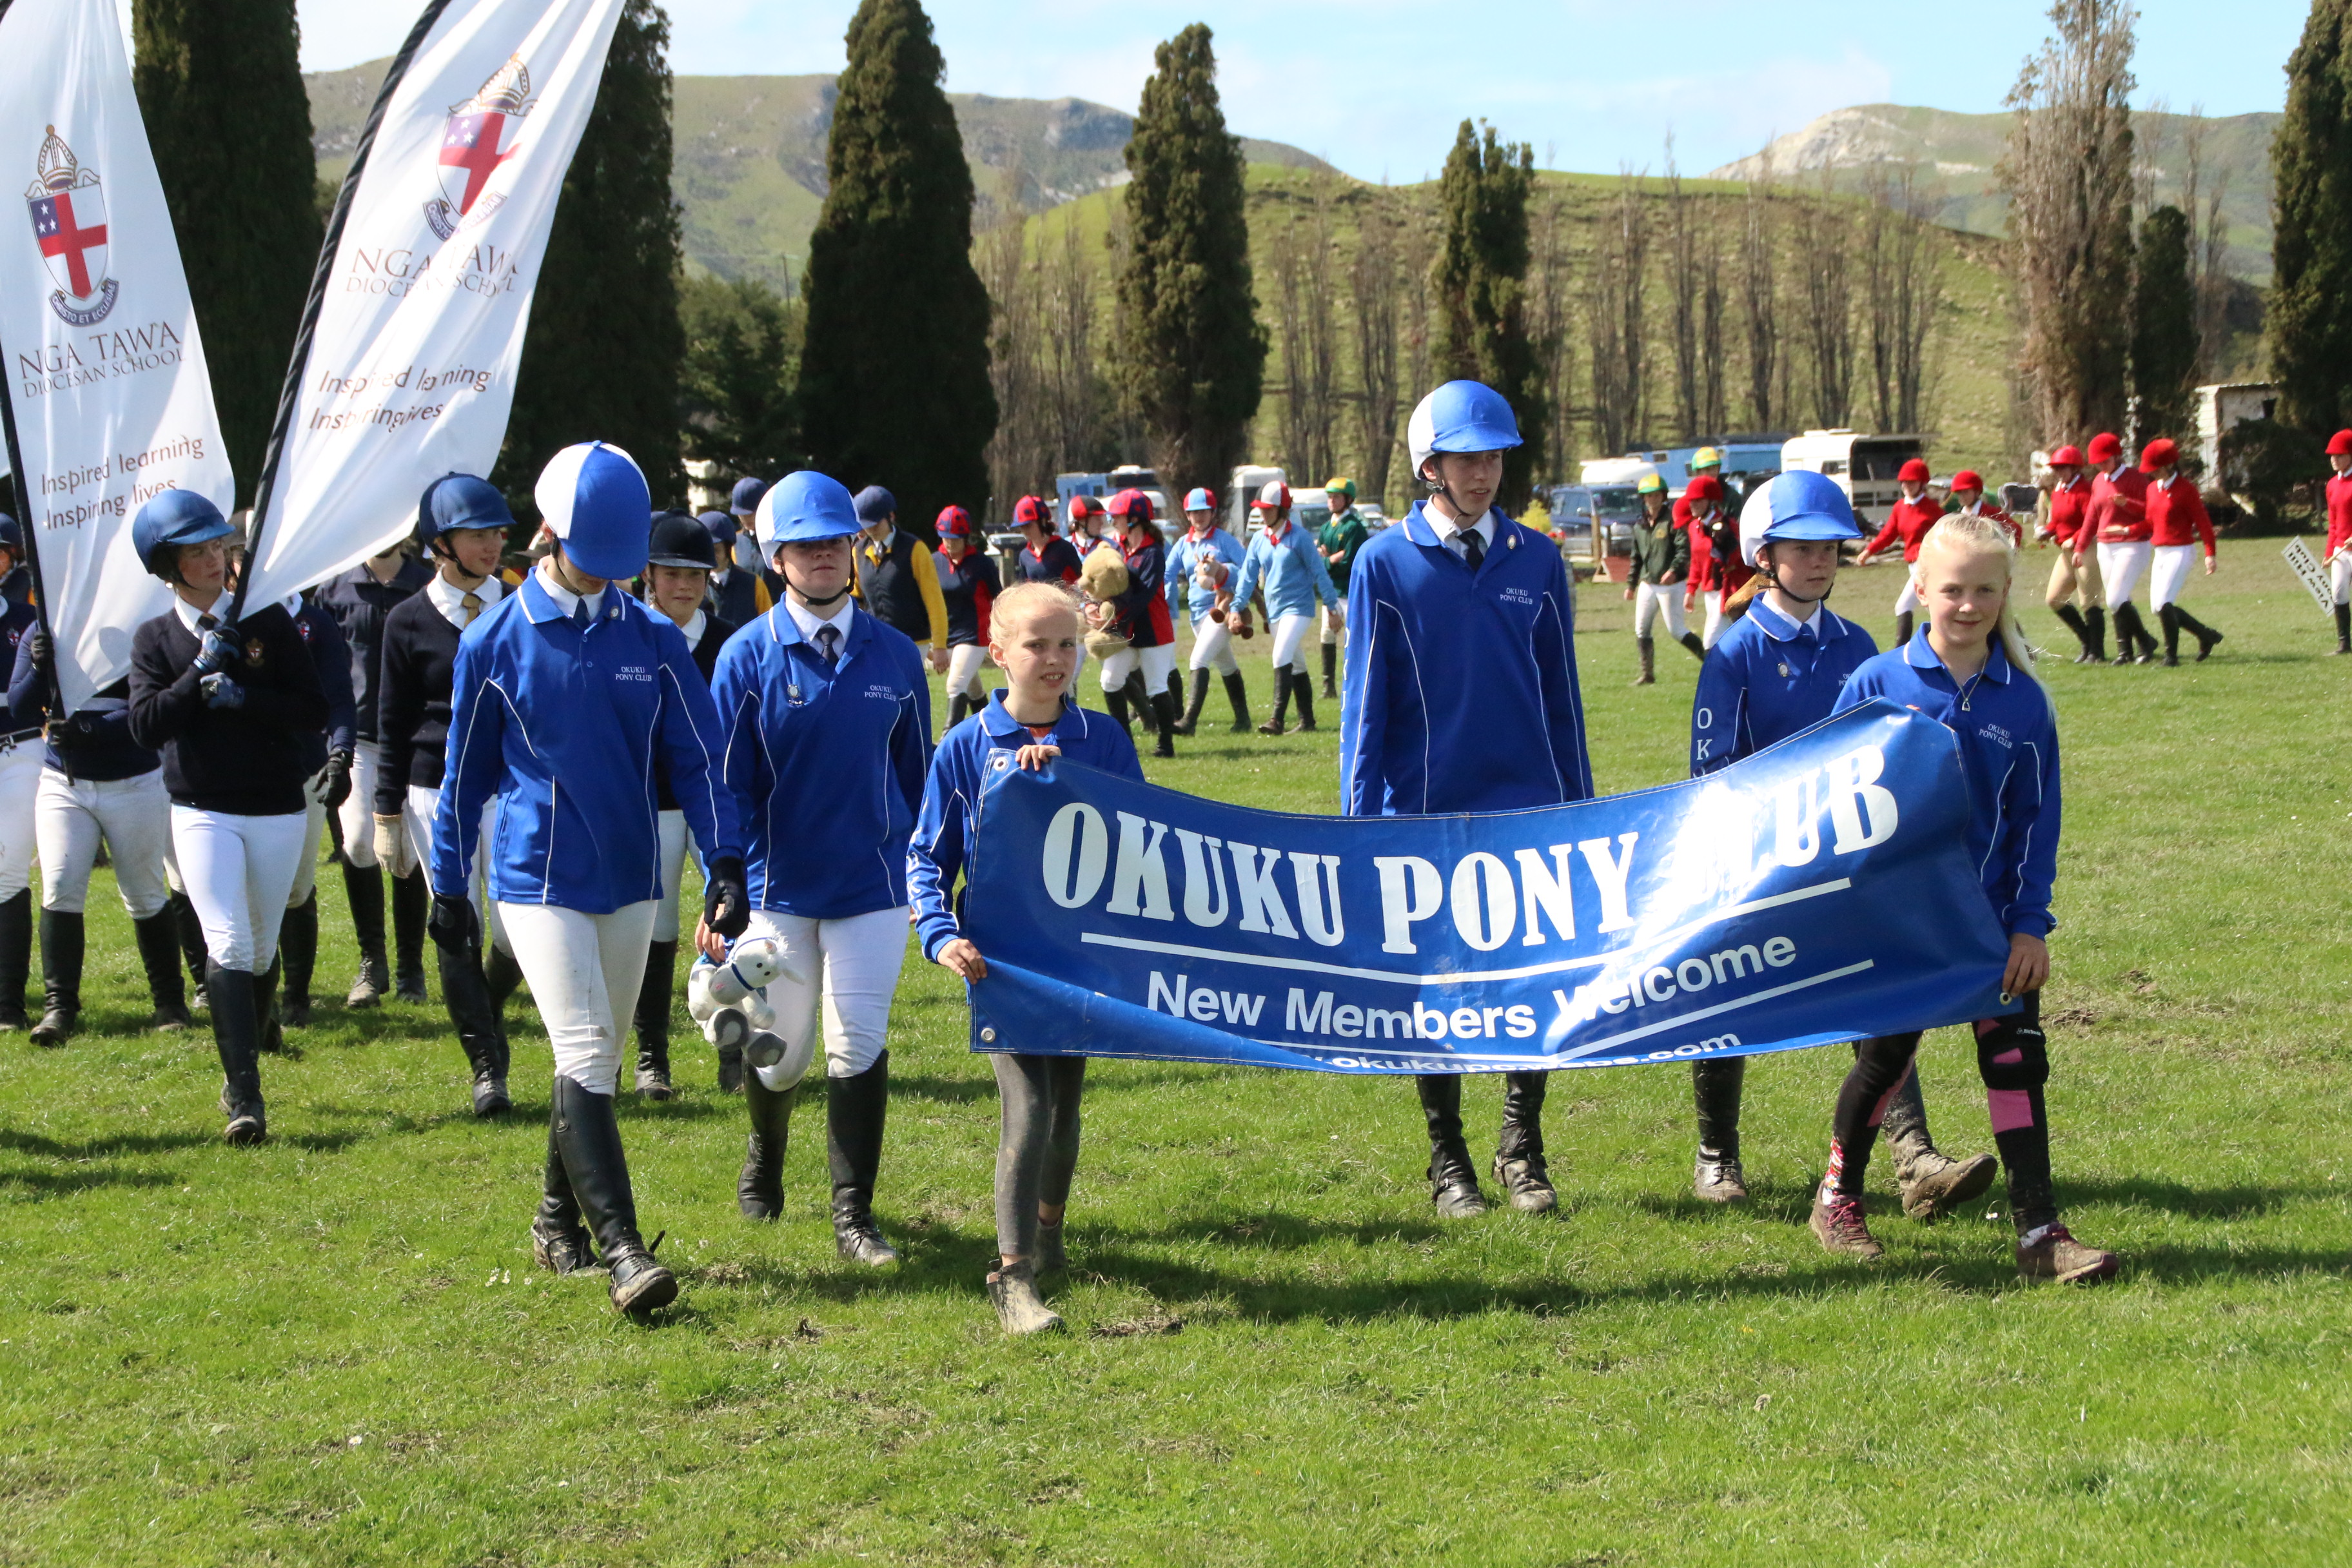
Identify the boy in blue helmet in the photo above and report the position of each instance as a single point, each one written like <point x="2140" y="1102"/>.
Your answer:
<point x="1780" y="669"/>
<point x="1461" y="696"/>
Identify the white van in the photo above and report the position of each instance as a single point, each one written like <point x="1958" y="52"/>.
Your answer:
<point x="1863" y="466"/>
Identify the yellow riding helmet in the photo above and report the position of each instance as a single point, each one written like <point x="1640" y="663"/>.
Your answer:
<point x="1705" y="457"/>
<point x="1650" y="485"/>
<point x="1345" y="487"/>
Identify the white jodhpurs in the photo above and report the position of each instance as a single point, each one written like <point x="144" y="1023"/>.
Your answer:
<point x="1290" y="641"/>
<point x="2120" y="566"/>
<point x="2169" y="574"/>
<point x="357" y="813"/>
<point x="1652" y="600"/>
<point x="1155" y="664"/>
<point x="846" y="970"/>
<point x="1213" y="645"/>
<point x="238" y="870"/>
<point x="675" y="839"/>
<point x="966" y="663"/>
<point x="584" y="971"/>
<point x="417" y="812"/>
<point x="132" y="816"/>
<point x="20" y="788"/>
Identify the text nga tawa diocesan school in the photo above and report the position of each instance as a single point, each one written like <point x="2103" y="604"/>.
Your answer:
<point x="1818" y="891"/>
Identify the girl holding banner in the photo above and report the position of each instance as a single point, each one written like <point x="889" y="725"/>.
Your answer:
<point x="1970" y="670"/>
<point x="1778" y="669"/>
<point x="1028" y="723"/>
<point x="826" y="716"/>
<point x="235" y="709"/>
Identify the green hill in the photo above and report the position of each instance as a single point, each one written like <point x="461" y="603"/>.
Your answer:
<point x="749" y="156"/>
<point x="1955" y="154"/>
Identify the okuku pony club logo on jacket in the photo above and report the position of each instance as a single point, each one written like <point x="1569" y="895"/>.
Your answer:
<point x="481" y="134"/>
<point x="68" y="212"/>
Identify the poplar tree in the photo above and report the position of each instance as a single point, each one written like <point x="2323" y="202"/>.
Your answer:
<point x="1191" y="349"/>
<point x="220" y="87"/>
<point x="1481" y="276"/>
<point x="2310" y="315"/>
<point x="2164" y="326"/>
<point x="601" y="358"/>
<point x="894" y="386"/>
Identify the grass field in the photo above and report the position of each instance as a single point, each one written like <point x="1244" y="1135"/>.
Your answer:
<point x="333" y="1349"/>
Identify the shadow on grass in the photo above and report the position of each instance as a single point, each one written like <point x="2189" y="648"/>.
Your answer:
<point x="33" y="1144"/>
<point x="2240" y="1202"/>
<point x="38" y="1186"/>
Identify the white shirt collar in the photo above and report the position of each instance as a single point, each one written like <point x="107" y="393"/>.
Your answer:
<point x="808" y="620"/>
<point x="719" y="578"/>
<point x="1811" y="623"/>
<point x="565" y="599"/>
<point x="1449" y="532"/>
<point x="2166" y="483"/>
<point x="450" y="599"/>
<point x="690" y="627"/>
<point x="188" y="613"/>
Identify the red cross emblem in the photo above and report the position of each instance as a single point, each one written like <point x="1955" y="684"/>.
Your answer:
<point x="68" y="208"/>
<point x="471" y="153"/>
<point x="63" y="237"/>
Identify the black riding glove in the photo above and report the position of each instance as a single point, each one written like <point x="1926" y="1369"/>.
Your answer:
<point x="726" y="903"/>
<point x="454" y="923"/>
<point x="338" y="780"/>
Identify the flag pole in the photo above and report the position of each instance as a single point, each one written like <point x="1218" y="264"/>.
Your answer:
<point x="264" y="486"/>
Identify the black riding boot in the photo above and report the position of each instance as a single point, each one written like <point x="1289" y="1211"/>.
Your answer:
<point x="363" y="890"/>
<point x="559" y="1242"/>
<point x="15" y="958"/>
<point x="236" y="1033"/>
<point x="1695" y="646"/>
<point x="1331" y="669"/>
<point x="2131" y="633"/>
<point x="1191" y="719"/>
<point x="467" y="994"/>
<point x="2170" y="619"/>
<point x="410" y="898"/>
<point x="2073" y="620"/>
<point x="1238" y="693"/>
<point x="1714" y="1091"/>
<point x="1520" y="1153"/>
<point x="190" y="932"/>
<point x="159" y="955"/>
<point x="760" y="1186"/>
<point x="1115" y="701"/>
<point x="2206" y="635"/>
<point x="1304" y="689"/>
<point x="1453" y="1179"/>
<point x="298" y="949"/>
<point x="959" y="709"/>
<point x="1153" y="712"/>
<point x="2344" y="628"/>
<point x="61" y="954"/>
<point x="653" y="996"/>
<point x="1902" y="630"/>
<point x="588" y="1136"/>
<point x="2096" y="617"/>
<point x="854" y="1110"/>
<point x="502" y="975"/>
<point x="1274" y="725"/>
<point x="266" y="1012"/>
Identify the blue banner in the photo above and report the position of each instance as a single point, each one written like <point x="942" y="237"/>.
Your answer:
<point x="1818" y="891"/>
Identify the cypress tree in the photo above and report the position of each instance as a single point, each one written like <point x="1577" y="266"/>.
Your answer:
<point x="2310" y="317"/>
<point x="894" y="385"/>
<point x="220" y="87"/>
<point x="600" y="360"/>
<point x="742" y="341"/>
<point x="1481" y="283"/>
<point x="2164" y="325"/>
<point x="1192" y="352"/>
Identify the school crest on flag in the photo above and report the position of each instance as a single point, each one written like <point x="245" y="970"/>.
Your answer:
<point x="481" y="134"/>
<point x="68" y="210"/>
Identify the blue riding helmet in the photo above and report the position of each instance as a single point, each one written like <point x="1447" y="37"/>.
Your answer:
<point x="1460" y="416"/>
<point x="1798" y="504"/>
<point x="596" y="499"/>
<point x="874" y="503"/>
<point x="745" y="499"/>
<point x="170" y="521"/>
<point x="459" y="500"/>
<point x="802" y="507"/>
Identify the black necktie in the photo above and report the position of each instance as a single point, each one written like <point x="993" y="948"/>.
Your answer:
<point x="828" y="642"/>
<point x="206" y="622"/>
<point x="1473" y="549"/>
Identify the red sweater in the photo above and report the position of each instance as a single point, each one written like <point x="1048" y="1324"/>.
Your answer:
<point x="1909" y="521"/>
<point x="2120" y="507"/>
<point x="2339" y="512"/>
<point x="2000" y="514"/>
<point x="2176" y="514"/>
<point x="1701" y="566"/>
<point x="2069" y="505"/>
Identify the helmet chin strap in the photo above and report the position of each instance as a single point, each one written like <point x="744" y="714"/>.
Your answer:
<point x="813" y="603"/>
<point x="1439" y="487"/>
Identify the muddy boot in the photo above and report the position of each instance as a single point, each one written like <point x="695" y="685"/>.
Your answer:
<point x="1052" y="1258"/>
<point x="62" y="957"/>
<point x="1648" y="649"/>
<point x="1453" y="1179"/>
<point x="855" y="1108"/>
<point x="297" y="951"/>
<point x="467" y="995"/>
<point x="2344" y="628"/>
<point x="1238" y="693"/>
<point x="237" y="1034"/>
<point x="1839" y="1226"/>
<point x="159" y="955"/>
<point x="2170" y="619"/>
<point x="190" y="932"/>
<point x="2051" y="1252"/>
<point x="1193" y="706"/>
<point x="655" y="994"/>
<point x="559" y="1242"/>
<point x="363" y="890"/>
<point x="1902" y="630"/>
<point x="410" y="901"/>
<point x="1274" y="725"/>
<point x="15" y="958"/>
<point x="2096" y="617"/>
<point x="1012" y="1292"/>
<point x="1520" y="1153"/>
<point x="1690" y="640"/>
<point x="760" y="1186"/>
<point x="589" y="1138"/>
<point x="2206" y="638"/>
<point x="1714" y="1091"/>
<point x="1932" y="1185"/>
<point x="1331" y="670"/>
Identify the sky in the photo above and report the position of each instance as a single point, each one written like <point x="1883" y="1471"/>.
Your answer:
<point x="1377" y="87"/>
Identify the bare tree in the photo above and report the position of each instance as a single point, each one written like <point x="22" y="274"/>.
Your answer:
<point x="1681" y="294"/>
<point x="1903" y="291"/>
<point x="1072" y="390"/>
<point x="1549" y="327"/>
<point x="1713" y="415"/>
<point x="1373" y="280"/>
<point x="1823" y="245"/>
<point x="2068" y="174"/>
<point x="2209" y="243"/>
<point x="1613" y="294"/>
<point x="1416" y="255"/>
<point x="1020" y="454"/>
<point x="1759" y="293"/>
<point x="1308" y="331"/>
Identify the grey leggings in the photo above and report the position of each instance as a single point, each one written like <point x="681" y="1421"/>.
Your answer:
<point x="1037" y="1145"/>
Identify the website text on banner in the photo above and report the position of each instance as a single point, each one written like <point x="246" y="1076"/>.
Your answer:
<point x="1818" y="891"/>
<point x="410" y="372"/>
<point x="106" y="375"/>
